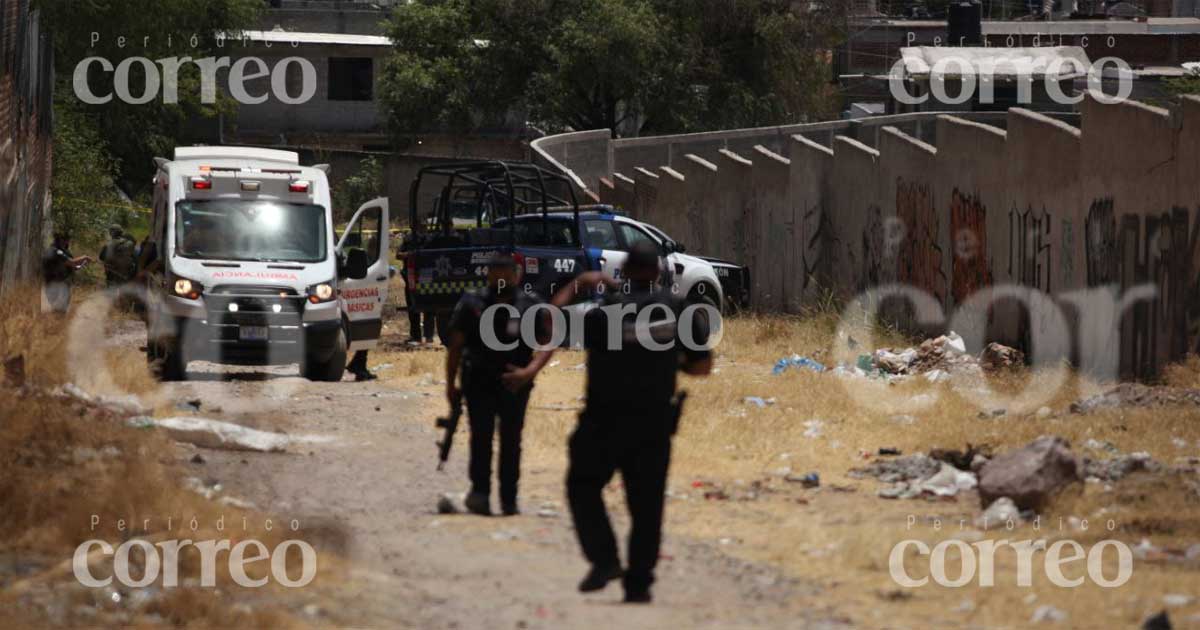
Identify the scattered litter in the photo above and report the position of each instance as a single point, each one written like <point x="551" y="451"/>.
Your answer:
<point x="808" y="480"/>
<point x="1137" y="395"/>
<point x="216" y="434"/>
<point x="796" y="361"/>
<point x="554" y="363"/>
<point x="812" y="428"/>
<point x="505" y="535"/>
<point x="128" y="404"/>
<point x="888" y="450"/>
<point x="189" y="405"/>
<point x="999" y="514"/>
<point x="758" y="402"/>
<point x="1047" y="614"/>
<point x="1119" y="467"/>
<point x="1176" y="600"/>
<point x="937" y="376"/>
<point x="235" y="502"/>
<point x="198" y="459"/>
<point x="960" y="459"/>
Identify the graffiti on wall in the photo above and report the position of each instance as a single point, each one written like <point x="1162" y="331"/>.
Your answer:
<point x="872" y="250"/>
<point x="1029" y="248"/>
<point x="919" y="263"/>
<point x="970" y="267"/>
<point x="817" y="238"/>
<point x="1162" y="249"/>
<point x="1100" y="248"/>
<point x="1066" y="254"/>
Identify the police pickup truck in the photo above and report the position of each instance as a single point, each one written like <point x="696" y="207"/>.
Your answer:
<point x="535" y="216"/>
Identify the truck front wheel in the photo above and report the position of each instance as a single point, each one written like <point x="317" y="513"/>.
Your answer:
<point x="331" y="369"/>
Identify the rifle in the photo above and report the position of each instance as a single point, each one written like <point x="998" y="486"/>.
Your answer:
<point x="450" y="424"/>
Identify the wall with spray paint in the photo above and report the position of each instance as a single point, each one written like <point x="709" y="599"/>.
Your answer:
<point x="1075" y="242"/>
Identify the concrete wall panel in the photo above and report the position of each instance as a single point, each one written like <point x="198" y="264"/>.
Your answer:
<point x="735" y="205"/>
<point x="809" y="177"/>
<point x="856" y="248"/>
<point x="645" y="195"/>
<point x="1068" y="219"/>
<point x="769" y="249"/>
<point x="700" y="236"/>
<point x="672" y="201"/>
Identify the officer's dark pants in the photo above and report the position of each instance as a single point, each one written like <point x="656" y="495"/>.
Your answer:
<point x="640" y="447"/>
<point x="358" y="363"/>
<point x="484" y="404"/>
<point x="414" y="322"/>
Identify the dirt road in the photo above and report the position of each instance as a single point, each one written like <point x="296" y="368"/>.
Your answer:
<point x="370" y="494"/>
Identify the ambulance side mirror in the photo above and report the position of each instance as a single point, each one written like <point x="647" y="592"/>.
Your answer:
<point x="356" y="264"/>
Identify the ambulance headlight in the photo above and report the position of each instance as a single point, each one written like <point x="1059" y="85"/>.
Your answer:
<point x="185" y="288"/>
<point x="323" y="292"/>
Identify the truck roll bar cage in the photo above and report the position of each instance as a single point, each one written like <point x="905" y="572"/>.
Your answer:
<point x="518" y="187"/>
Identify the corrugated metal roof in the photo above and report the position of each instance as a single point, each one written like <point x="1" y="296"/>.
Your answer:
<point x="1000" y="62"/>
<point x="321" y="39"/>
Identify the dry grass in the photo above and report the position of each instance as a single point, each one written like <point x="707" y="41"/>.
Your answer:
<point x="841" y="540"/>
<point x="66" y="461"/>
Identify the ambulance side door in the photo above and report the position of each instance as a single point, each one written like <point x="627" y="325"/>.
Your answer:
<point x="361" y="300"/>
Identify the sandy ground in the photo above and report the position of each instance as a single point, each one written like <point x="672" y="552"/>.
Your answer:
<point x="369" y="496"/>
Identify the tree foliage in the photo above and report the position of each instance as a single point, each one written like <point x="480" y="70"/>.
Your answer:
<point x="364" y="185"/>
<point x="83" y="185"/>
<point x="634" y="66"/>
<point x="142" y="28"/>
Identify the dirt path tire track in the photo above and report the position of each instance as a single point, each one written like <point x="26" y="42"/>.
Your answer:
<point x="371" y="493"/>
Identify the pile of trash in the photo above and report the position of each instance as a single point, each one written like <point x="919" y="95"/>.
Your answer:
<point x="1137" y="395"/>
<point x="937" y="359"/>
<point x="917" y="475"/>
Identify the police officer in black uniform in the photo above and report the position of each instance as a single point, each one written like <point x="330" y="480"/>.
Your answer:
<point x="630" y="414"/>
<point x="498" y="368"/>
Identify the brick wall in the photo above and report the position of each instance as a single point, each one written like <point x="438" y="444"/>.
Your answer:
<point x="26" y="146"/>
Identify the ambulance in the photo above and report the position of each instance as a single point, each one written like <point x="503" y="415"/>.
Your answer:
<point x="243" y="267"/>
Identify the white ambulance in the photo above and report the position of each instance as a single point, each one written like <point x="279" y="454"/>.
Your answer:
<point x="242" y="266"/>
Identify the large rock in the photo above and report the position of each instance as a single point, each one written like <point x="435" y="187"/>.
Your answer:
<point x="998" y="357"/>
<point x="1031" y="474"/>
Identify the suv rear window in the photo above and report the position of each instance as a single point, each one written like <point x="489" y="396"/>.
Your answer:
<point x="601" y="234"/>
<point x="535" y="232"/>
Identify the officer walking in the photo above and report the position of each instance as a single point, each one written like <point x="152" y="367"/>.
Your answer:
<point x="630" y="415"/>
<point x="498" y="368"/>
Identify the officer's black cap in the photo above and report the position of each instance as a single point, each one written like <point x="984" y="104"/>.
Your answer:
<point x="642" y="256"/>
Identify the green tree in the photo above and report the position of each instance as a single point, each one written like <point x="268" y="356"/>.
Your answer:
<point x="364" y="185"/>
<point x="143" y="28"/>
<point x="631" y="65"/>
<point x="83" y="183"/>
<point x="1189" y="83"/>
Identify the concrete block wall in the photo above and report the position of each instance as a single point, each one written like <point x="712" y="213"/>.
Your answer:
<point x="1077" y="242"/>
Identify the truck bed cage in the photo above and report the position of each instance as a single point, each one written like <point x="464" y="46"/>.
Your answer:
<point x="513" y="189"/>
